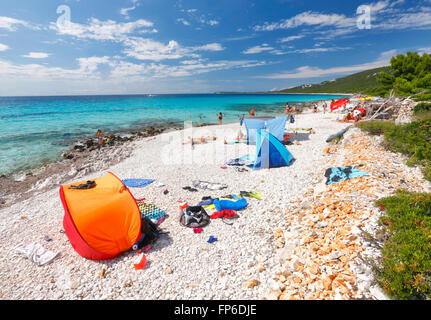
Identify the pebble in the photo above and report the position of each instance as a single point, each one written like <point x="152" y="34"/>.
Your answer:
<point x="176" y="268"/>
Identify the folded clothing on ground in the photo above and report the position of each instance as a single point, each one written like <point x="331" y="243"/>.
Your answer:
<point x="243" y="161"/>
<point x="230" y="205"/>
<point x="209" y="185"/>
<point x="225" y="214"/>
<point x="36" y="253"/>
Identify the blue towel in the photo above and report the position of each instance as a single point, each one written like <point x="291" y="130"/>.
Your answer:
<point x="230" y="205"/>
<point x="137" y="183"/>
<point x="335" y="175"/>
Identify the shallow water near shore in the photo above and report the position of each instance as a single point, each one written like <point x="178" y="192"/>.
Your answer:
<point x="36" y="130"/>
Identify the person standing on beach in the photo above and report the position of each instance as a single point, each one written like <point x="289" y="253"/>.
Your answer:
<point x="287" y="109"/>
<point x="220" y="118"/>
<point x="241" y="120"/>
<point x="324" y="107"/>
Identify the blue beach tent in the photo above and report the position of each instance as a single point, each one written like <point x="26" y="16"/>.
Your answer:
<point x="252" y="126"/>
<point x="270" y="152"/>
<point x="274" y="126"/>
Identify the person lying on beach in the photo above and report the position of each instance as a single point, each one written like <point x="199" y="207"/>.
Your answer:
<point x="241" y="135"/>
<point x="199" y="140"/>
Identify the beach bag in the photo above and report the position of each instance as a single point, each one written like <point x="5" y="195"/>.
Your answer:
<point x="194" y="217"/>
<point x="150" y="233"/>
<point x="292" y="119"/>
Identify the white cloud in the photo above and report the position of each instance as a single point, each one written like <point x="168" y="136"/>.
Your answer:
<point x="315" y="72"/>
<point x="407" y="20"/>
<point x="309" y="18"/>
<point x="90" y="65"/>
<point x="210" y="47"/>
<point x="385" y="15"/>
<point x="258" y="49"/>
<point x="37" y="55"/>
<point x="3" y="47"/>
<point x="425" y="50"/>
<point x="211" y="22"/>
<point x="87" y="70"/>
<point x="125" y="11"/>
<point x="320" y="49"/>
<point x="148" y="49"/>
<point x="291" y="38"/>
<point x="183" y="21"/>
<point x="130" y="71"/>
<point x="10" y="24"/>
<point x="102" y="30"/>
<point x="192" y="15"/>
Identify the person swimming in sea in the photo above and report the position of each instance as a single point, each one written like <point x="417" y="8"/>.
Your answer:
<point x="252" y="112"/>
<point x="220" y="118"/>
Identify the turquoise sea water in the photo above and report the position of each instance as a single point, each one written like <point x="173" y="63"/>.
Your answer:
<point x="35" y="130"/>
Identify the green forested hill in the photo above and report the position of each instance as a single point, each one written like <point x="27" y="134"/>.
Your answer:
<point x="363" y="82"/>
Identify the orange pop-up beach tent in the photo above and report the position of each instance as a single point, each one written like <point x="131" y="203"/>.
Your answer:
<point x="103" y="221"/>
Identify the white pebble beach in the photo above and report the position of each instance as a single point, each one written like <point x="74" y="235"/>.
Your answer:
<point x="181" y="264"/>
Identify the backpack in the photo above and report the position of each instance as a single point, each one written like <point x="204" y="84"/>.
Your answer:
<point x="150" y="233"/>
<point x="194" y="217"/>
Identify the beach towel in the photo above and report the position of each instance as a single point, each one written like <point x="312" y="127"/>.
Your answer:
<point x="336" y="175"/>
<point x="242" y="161"/>
<point x="151" y="212"/>
<point x="137" y="183"/>
<point x="36" y="253"/>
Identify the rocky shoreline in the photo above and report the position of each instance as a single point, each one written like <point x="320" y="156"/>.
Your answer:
<point x="85" y="156"/>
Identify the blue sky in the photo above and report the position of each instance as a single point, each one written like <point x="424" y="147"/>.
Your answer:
<point x="73" y="47"/>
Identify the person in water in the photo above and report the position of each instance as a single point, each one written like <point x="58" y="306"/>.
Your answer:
<point x="252" y="112"/>
<point x="220" y="118"/>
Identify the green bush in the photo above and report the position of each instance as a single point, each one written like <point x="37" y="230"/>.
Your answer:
<point x="413" y="140"/>
<point x="377" y="128"/>
<point x="405" y="271"/>
<point x="408" y="74"/>
<point x="422" y="107"/>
